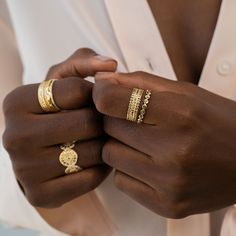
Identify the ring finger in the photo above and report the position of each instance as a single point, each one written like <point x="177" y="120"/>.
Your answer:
<point x="89" y="155"/>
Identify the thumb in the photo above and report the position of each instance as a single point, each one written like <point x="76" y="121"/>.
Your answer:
<point x="136" y="80"/>
<point x="83" y="63"/>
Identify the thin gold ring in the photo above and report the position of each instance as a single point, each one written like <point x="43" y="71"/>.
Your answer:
<point x="45" y="96"/>
<point x="69" y="158"/>
<point x="134" y="104"/>
<point x="144" y="106"/>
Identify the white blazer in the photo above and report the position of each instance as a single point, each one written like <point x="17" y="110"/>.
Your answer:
<point x="47" y="32"/>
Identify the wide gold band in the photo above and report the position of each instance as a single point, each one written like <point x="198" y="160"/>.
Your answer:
<point x="144" y="106"/>
<point x="45" y="96"/>
<point x="69" y="158"/>
<point x="134" y="104"/>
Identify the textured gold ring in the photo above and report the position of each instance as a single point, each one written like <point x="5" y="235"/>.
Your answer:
<point x="134" y="104"/>
<point x="69" y="158"/>
<point x="144" y="106"/>
<point x="45" y="96"/>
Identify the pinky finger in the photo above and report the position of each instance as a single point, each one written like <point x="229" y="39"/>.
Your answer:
<point x="139" y="191"/>
<point x="59" y="191"/>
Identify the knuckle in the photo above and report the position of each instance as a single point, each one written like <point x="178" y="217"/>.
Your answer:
<point x="7" y="141"/>
<point x="84" y="52"/>
<point x="187" y="88"/>
<point x="14" y="102"/>
<point x="192" y="110"/>
<point x="185" y="124"/>
<point x="184" y="157"/>
<point x="53" y="71"/>
<point x="14" y="141"/>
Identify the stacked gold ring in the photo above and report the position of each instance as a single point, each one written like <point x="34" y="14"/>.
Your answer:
<point x="136" y="112"/>
<point x="69" y="158"/>
<point x="134" y="104"/>
<point x="45" y="96"/>
<point x="144" y="106"/>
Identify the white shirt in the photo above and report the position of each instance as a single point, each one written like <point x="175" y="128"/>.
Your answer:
<point x="48" y="31"/>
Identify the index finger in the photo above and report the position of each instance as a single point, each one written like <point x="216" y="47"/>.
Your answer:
<point x="69" y="94"/>
<point x="113" y="99"/>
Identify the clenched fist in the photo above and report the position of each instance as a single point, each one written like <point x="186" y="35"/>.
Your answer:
<point x="182" y="159"/>
<point x="33" y="137"/>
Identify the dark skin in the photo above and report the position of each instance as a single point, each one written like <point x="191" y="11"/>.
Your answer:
<point x="32" y="137"/>
<point x="181" y="161"/>
<point x="175" y="163"/>
<point x="187" y="29"/>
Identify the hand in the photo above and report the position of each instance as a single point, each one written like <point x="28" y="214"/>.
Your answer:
<point x="33" y="138"/>
<point x="182" y="159"/>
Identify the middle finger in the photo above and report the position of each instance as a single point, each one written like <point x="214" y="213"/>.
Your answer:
<point x="55" y="128"/>
<point x="139" y="137"/>
<point x="46" y="161"/>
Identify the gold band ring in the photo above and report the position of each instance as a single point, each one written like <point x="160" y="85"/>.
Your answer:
<point x="69" y="158"/>
<point x="134" y="104"/>
<point x="144" y="106"/>
<point x="45" y="96"/>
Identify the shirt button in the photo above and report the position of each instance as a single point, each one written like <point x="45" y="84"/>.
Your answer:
<point x="224" y="68"/>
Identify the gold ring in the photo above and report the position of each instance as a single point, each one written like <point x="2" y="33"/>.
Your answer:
<point x="45" y="96"/>
<point x="134" y="104"/>
<point x="144" y="106"/>
<point x="69" y="158"/>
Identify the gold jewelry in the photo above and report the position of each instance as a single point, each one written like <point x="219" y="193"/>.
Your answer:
<point x="134" y="104"/>
<point x="69" y="158"/>
<point x="144" y="106"/>
<point x="45" y="96"/>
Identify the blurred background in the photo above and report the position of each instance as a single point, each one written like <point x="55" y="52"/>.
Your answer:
<point x="5" y="231"/>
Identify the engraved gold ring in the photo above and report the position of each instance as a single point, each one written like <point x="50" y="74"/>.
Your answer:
<point x="69" y="158"/>
<point x="45" y="96"/>
<point x="137" y="111"/>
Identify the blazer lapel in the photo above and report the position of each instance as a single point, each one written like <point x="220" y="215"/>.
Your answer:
<point x="139" y="38"/>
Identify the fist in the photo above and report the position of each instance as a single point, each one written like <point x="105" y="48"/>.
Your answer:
<point x="33" y="137"/>
<point x="181" y="160"/>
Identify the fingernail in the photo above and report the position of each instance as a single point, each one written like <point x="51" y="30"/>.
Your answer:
<point x="103" y="58"/>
